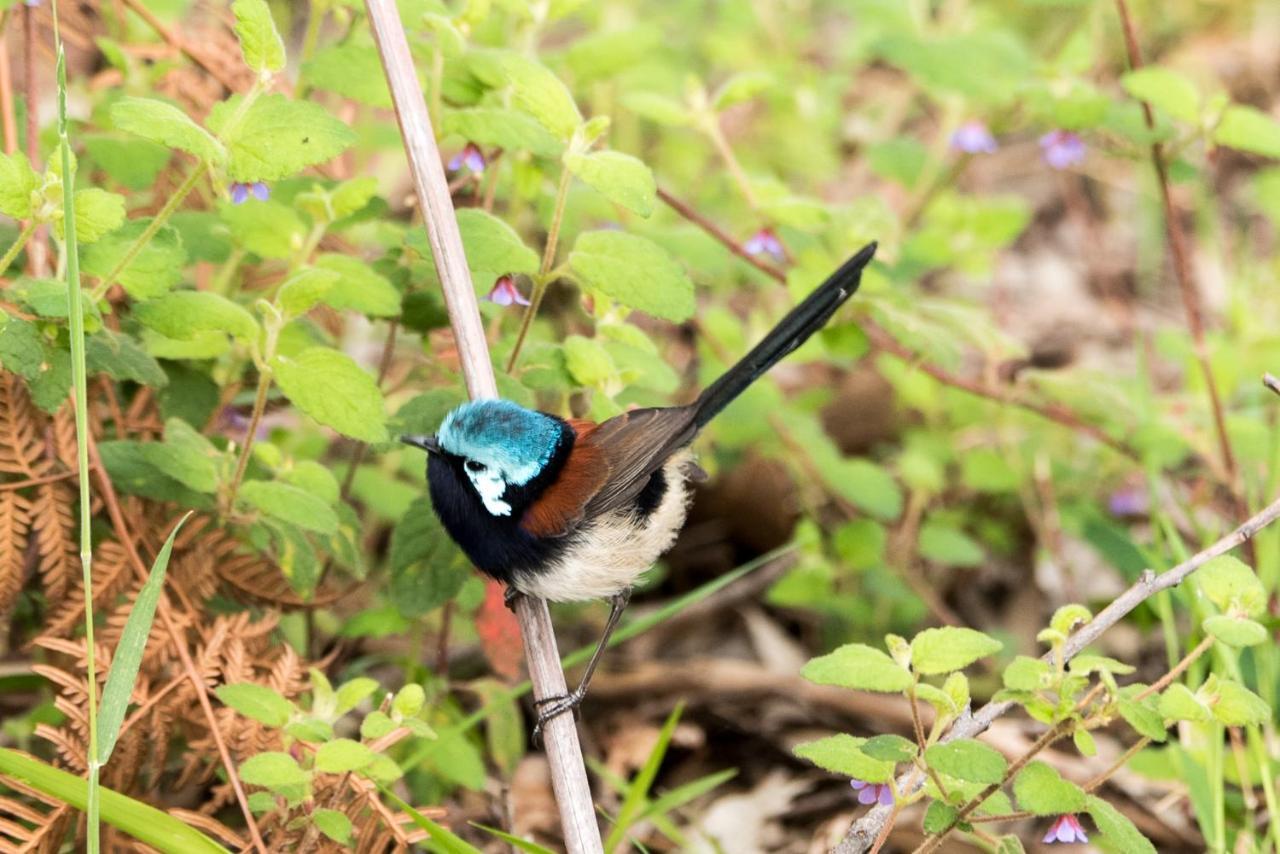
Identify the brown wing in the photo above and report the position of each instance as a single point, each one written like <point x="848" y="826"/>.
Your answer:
<point x="562" y="505"/>
<point x="636" y="444"/>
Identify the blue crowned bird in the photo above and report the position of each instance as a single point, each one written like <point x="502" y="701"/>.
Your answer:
<point x="567" y="510"/>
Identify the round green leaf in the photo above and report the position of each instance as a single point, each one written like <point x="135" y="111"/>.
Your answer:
<point x="860" y="667"/>
<point x="331" y="388"/>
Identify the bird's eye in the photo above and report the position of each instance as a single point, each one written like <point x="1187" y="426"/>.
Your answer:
<point x="474" y="466"/>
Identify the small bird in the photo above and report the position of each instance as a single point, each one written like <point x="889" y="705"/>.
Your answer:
<point x="568" y="510"/>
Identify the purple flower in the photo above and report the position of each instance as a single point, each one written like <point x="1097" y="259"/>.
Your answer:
<point x="870" y="793"/>
<point x="471" y="157"/>
<point x="1128" y="501"/>
<point x="1066" y="828"/>
<point x="240" y="192"/>
<point x="765" y="242"/>
<point x="1062" y="149"/>
<point x="505" y="292"/>
<point x="972" y="137"/>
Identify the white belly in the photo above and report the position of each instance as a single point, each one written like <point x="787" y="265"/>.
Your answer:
<point x="616" y="549"/>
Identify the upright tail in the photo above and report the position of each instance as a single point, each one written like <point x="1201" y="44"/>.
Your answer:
<point x="792" y="331"/>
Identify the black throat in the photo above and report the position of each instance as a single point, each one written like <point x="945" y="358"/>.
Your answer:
<point x="497" y="545"/>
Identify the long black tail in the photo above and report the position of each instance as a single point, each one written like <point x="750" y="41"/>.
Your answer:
<point x="793" y="330"/>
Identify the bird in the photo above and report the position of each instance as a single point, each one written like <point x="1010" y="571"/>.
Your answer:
<point x="566" y="509"/>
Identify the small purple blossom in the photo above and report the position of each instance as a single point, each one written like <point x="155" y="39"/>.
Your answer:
<point x="870" y="793"/>
<point x="505" y="292"/>
<point x="470" y="157"/>
<point x="1062" y="149"/>
<point x="1128" y="501"/>
<point x="972" y="137"/>
<point x="765" y="242"/>
<point x="1066" y="828"/>
<point x="240" y="192"/>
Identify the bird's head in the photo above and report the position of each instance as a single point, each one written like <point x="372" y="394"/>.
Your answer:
<point x="496" y="449"/>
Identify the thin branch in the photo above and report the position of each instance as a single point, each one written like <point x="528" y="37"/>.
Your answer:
<point x="1182" y="271"/>
<point x="887" y="343"/>
<point x="560" y="736"/>
<point x="181" y="44"/>
<point x="863" y="831"/>
<point x="8" y="120"/>
<point x="1271" y="382"/>
<point x="38" y="253"/>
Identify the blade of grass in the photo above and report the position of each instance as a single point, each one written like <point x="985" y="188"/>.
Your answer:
<point x="638" y="791"/>
<point x="442" y="839"/>
<point x="128" y="654"/>
<point x="628" y="630"/>
<point x="75" y="312"/>
<point x="682" y="795"/>
<point x="516" y="841"/>
<point x="143" y="822"/>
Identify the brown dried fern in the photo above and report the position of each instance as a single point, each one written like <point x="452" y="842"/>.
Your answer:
<point x="21" y="449"/>
<point x="54" y="526"/>
<point x="15" y="520"/>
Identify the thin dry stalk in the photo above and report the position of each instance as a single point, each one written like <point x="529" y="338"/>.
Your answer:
<point x="560" y="735"/>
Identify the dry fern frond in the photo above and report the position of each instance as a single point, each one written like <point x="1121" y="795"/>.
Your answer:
<point x="21" y="449"/>
<point x="15" y="520"/>
<point x="55" y="528"/>
<point x="31" y="821"/>
<point x="111" y="577"/>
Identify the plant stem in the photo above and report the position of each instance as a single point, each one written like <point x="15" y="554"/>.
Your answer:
<point x="716" y="134"/>
<point x="75" y="313"/>
<point x="548" y="258"/>
<point x="259" y="406"/>
<point x="1165" y="680"/>
<point x="23" y="236"/>
<point x="153" y="227"/>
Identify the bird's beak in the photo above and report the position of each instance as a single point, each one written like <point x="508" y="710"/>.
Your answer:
<point x="426" y="443"/>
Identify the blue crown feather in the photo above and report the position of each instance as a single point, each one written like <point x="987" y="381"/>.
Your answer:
<point x="503" y="435"/>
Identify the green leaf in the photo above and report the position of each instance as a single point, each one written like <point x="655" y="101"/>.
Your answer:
<point x="950" y="648"/>
<point x="1009" y="845"/>
<point x="289" y="504"/>
<point x="127" y="657"/>
<point x="620" y="178"/>
<point x="1143" y="717"/>
<point x="258" y="702"/>
<point x="514" y="841"/>
<point x="315" y="479"/>
<point x="588" y="361"/>
<point x="375" y="725"/>
<point x="97" y="213"/>
<point x="277" y="137"/>
<point x="540" y="93"/>
<point x="1232" y="585"/>
<point x="352" y="692"/>
<point x="1083" y="665"/>
<point x="939" y="816"/>
<point x="599" y="55"/>
<point x="1117" y="828"/>
<point x="637" y="793"/>
<point x="331" y="388"/>
<point x="866" y="484"/>
<point x="1177" y="703"/>
<point x="987" y="470"/>
<point x="17" y="182"/>
<point x="304" y="289"/>
<point x="967" y="759"/>
<point x="1026" y="674"/>
<point x="268" y="229"/>
<point x="263" y="49"/>
<point x="139" y="820"/>
<point x="358" y="287"/>
<point x="1068" y="617"/>
<point x="843" y="754"/>
<point x="860" y="667"/>
<point x="352" y="70"/>
<point x="441" y="840"/>
<point x="333" y="824"/>
<point x="1236" y="705"/>
<point x="273" y="770"/>
<point x="163" y="123"/>
<point x="890" y="748"/>
<point x="342" y="755"/>
<point x="1248" y="129"/>
<point x="1165" y="90"/>
<point x="21" y="350"/>
<point x="184" y="314"/>
<point x="634" y="271"/>
<point x="122" y="359"/>
<point x="739" y="88"/>
<point x="1235" y="631"/>
<point x="499" y="128"/>
<point x="658" y="108"/>
<point x="427" y="568"/>
<point x="409" y="700"/>
<point x="1083" y="740"/>
<point x="942" y="543"/>
<point x="153" y="271"/>
<point x="1041" y="790"/>
<point x="493" y="248"/>
<point x="133" y="163"/>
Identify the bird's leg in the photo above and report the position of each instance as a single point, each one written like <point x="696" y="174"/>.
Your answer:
<point x="509" y="596"/>
<point x="563" y="703"/>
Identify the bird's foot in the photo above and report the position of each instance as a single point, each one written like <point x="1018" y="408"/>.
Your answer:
<point x="556" y="705"/>
<point x="509" y="597"/>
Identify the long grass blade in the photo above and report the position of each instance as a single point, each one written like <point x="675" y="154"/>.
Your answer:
<point x="75" y="313"/>
<point x="128" y="655"/>
<point x="142" y="821"/>
<point x="638" y="792"/>
<point x="443" y="840"/>
<point x="514" y="841"/>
